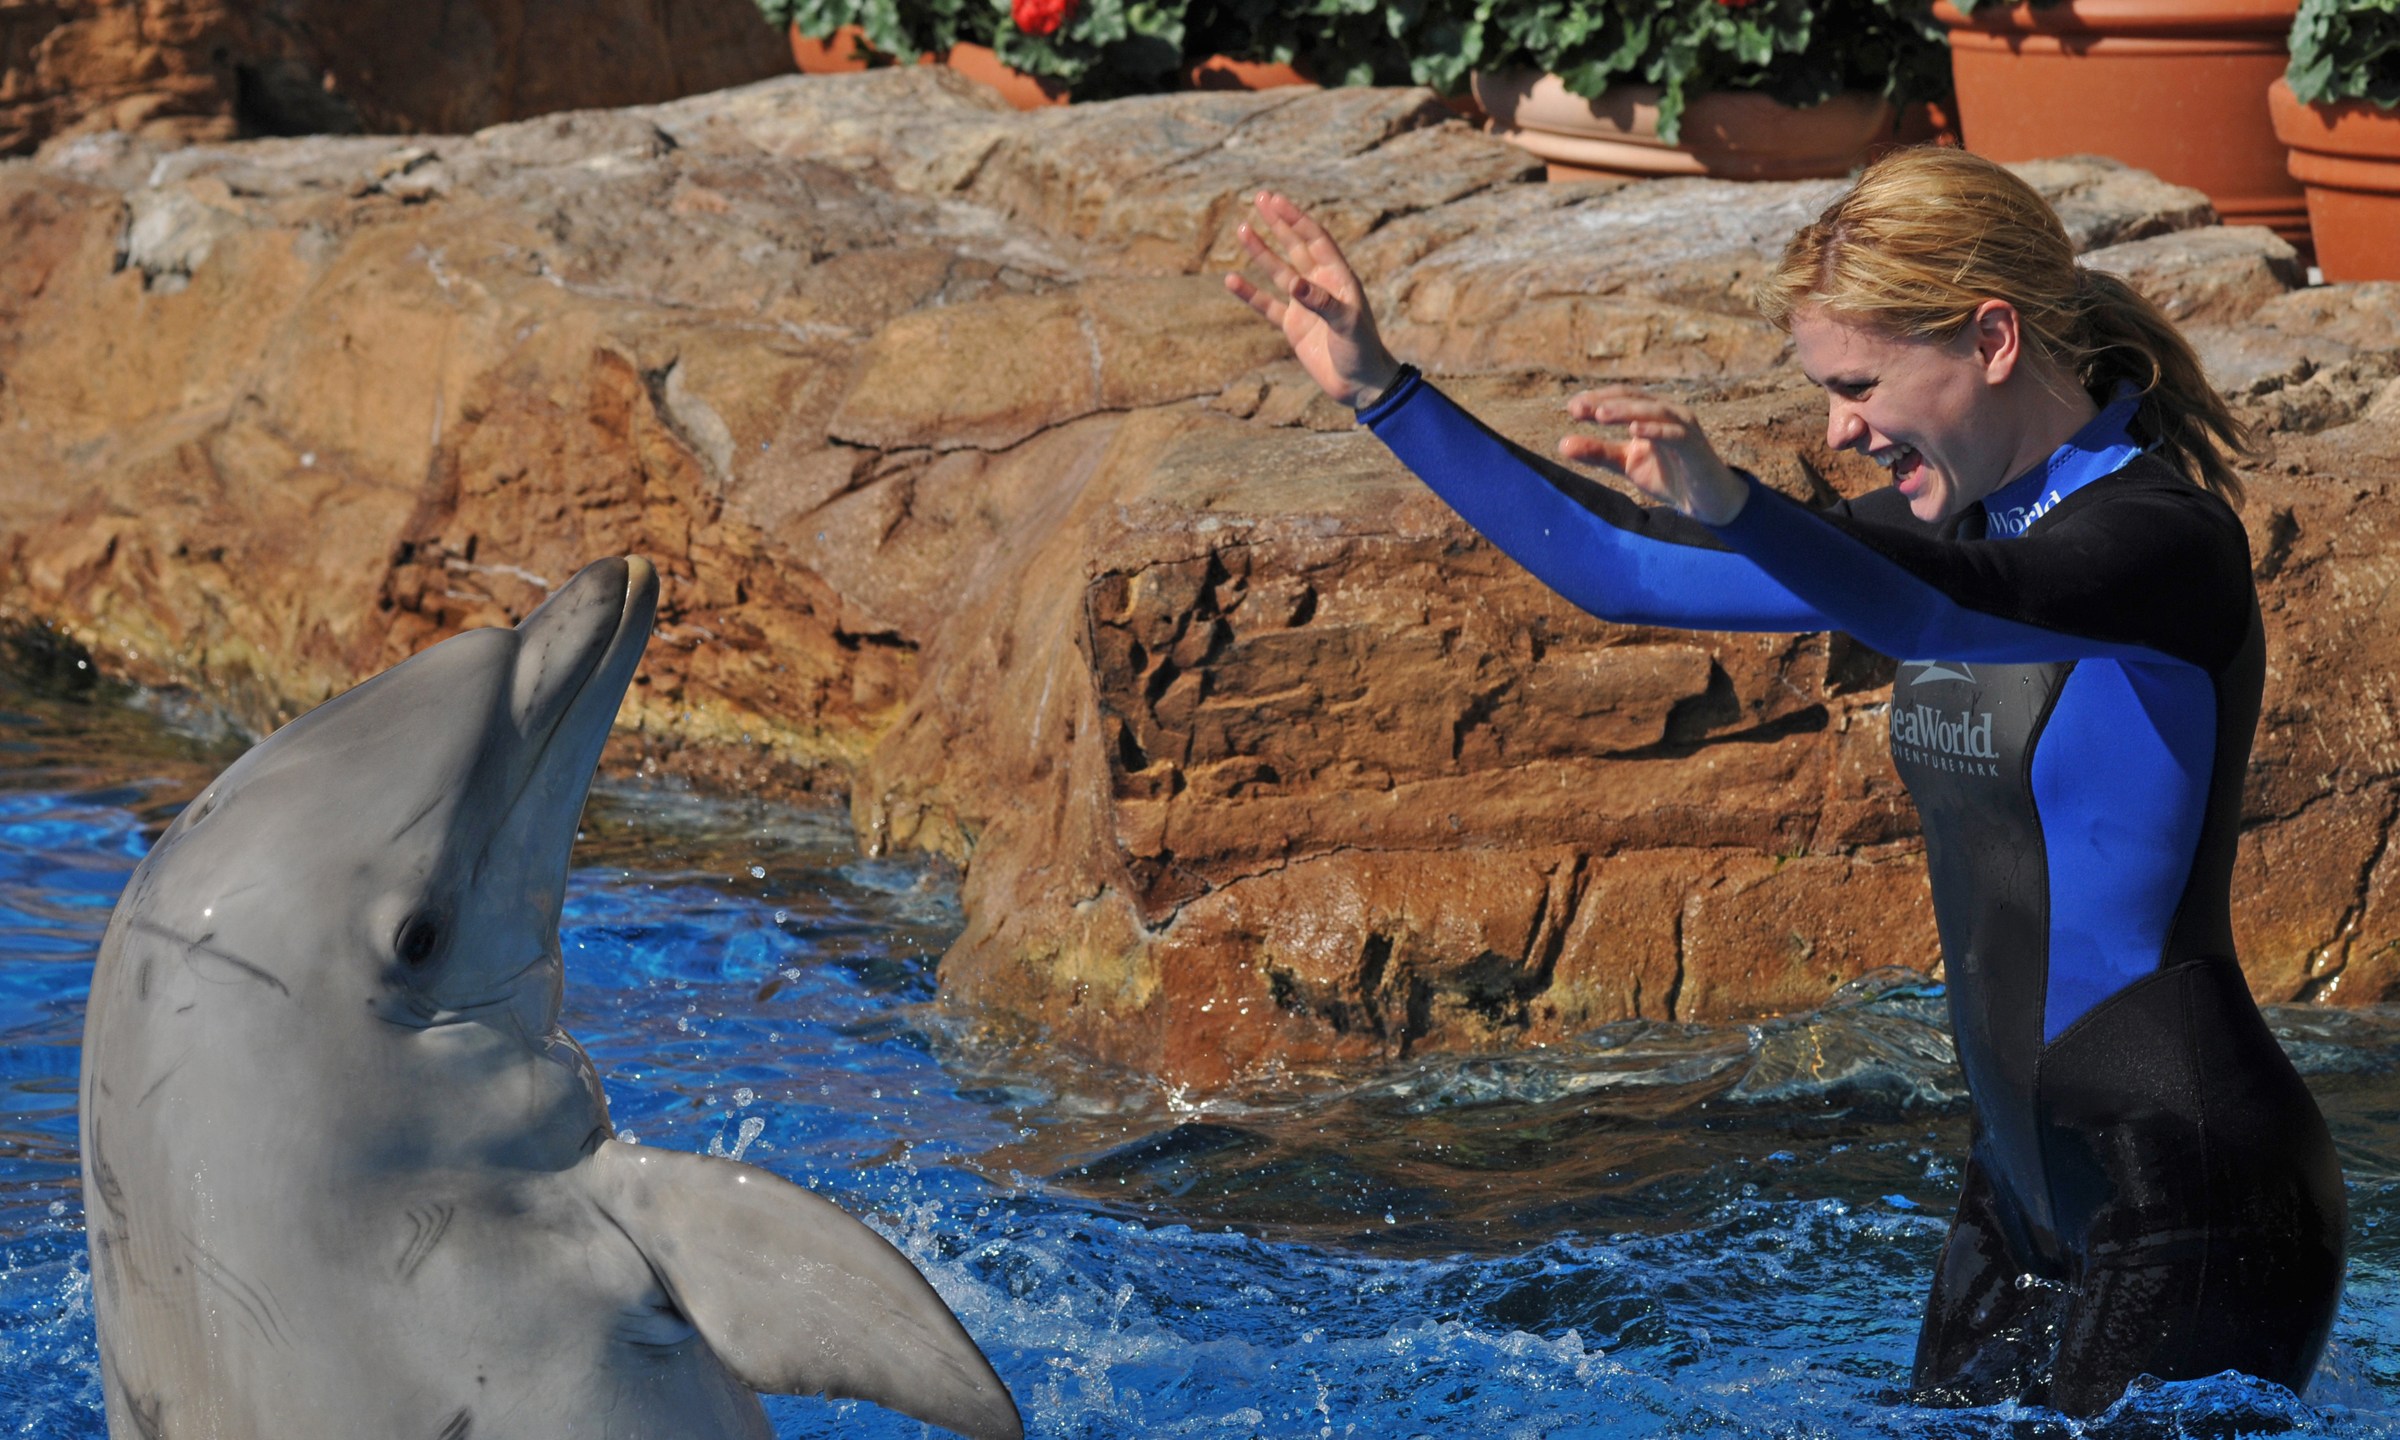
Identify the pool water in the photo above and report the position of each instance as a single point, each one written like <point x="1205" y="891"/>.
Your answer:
<point x="1662" y="1231"/>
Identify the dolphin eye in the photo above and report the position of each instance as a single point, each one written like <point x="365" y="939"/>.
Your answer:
<point x="419" y="938"/>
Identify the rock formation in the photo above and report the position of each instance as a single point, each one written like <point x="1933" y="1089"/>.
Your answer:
<point x="979" y="502"/>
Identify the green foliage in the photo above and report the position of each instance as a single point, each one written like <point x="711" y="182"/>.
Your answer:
<point x="1106" y="48"/>
<point x="1801" y="51"/>
<point x="903" y="28"/>
<point x="2346" y="50"/>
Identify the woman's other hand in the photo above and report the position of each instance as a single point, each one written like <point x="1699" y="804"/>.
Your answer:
<point x="1664" y="453"/>
<point x="1313" y="296"/>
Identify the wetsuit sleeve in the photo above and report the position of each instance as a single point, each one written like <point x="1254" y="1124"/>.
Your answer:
<point x="1630" y="563"/>
<point x="2140" y="566"/>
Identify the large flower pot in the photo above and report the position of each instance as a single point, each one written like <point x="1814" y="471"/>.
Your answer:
<point x="2347" y="156"/>
<point x="982" y="64"/>
<point x="844" y="52"/>
<point x="1223" y="72"/>
<point x="1732" y="134"/>
<point x="2175" y="87"/>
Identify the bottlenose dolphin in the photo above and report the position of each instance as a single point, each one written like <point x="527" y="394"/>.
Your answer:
<point x="345" y="1176"/>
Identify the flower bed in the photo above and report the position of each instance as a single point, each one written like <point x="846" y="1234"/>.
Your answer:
<point x="1800" y="52"/>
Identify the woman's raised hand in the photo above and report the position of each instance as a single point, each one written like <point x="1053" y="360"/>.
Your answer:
<point x="1313" y="296"/>
<point x="1663" y="453"/>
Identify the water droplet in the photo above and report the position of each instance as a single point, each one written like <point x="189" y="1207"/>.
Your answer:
<point x="743" y="1096"/>
<point x="758" y="872"/>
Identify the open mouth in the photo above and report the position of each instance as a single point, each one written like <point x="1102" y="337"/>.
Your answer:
<point x="1906" y="464"/>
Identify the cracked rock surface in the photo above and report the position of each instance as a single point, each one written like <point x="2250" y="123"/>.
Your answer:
<point x="978" y="501"/>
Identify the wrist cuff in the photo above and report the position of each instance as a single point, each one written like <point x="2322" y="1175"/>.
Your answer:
<point x="1391" y="399"/>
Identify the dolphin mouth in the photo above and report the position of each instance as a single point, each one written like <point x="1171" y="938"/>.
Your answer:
<point x="419" y="1010"/>
<point x="583" y="640"/>
<point x="576" y="656"/>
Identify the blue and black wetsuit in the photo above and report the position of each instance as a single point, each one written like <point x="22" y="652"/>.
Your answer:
<point x="2075" y="736"/>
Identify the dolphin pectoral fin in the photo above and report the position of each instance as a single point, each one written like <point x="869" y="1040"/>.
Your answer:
<point x="794" y="1295"/>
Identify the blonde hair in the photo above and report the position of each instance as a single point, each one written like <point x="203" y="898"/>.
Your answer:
<point x="1927" y="235"/>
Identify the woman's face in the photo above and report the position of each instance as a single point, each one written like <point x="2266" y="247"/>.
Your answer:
<point x="1929" y="411"/>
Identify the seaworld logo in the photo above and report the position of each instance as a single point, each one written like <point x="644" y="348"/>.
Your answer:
<point x="1932" y="670"/>
<point x="2018" y="519"/>
<point x="1957" y="740"/>
<point x="1964" y="733"/>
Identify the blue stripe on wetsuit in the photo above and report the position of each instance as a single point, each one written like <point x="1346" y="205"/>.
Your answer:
<point x="2121" y="779"/>
<point x="2118" y="836"/>
<point x="1611" y="571"/>
<point x="2121" y="776"/>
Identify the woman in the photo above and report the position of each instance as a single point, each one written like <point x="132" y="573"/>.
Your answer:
<point x="2150" y="1190"/>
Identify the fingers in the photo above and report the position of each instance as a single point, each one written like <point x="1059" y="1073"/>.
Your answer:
<point x="1308" y="248"/>
<point x="1257" y="299"/>
<point x="1625" y="405"/>
<point x="1637" y="460"/>
<point x="1300" y="236"/>
<point x="1278" y="269"/>
<point x="1593" y="450"/>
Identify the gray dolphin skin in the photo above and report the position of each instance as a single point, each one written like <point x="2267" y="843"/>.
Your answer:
<point x="345" y="1176"/>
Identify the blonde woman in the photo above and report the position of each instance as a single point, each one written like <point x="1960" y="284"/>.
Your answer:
<point x="2059" y="557"/>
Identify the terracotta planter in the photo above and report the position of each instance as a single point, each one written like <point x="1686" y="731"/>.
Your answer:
<point x="1223" y="72"/>
<point x="846" y="51"/>
<point x="843" y="52"/>
<point x="2176" y="87"/>
<point x="2347" y="157"/>
<point x="1732" y="134"/>
<point x="1027" y="92"/>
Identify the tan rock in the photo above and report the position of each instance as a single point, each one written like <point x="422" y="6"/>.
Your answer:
<point x="2219" y="273"/>
<point x="2106" y="202"/>
<point x="978" y="500"/>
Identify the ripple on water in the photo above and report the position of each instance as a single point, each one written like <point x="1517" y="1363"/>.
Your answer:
<point x="1662" y="1231"/>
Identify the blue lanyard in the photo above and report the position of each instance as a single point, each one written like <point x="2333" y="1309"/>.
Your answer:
<point x="2103" y="447"/>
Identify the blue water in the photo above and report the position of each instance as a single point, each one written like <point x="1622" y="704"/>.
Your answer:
<point x="1664" y="1231"/>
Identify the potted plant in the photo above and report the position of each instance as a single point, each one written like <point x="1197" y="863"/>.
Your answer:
<point x="2175" y="87"/>
<point x="2338" y="107"/>
<point x="1041" y="52"/>
<point x="1752" y="89"/>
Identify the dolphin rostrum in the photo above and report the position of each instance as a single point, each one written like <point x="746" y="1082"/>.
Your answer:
<point x="345" y="1176"/>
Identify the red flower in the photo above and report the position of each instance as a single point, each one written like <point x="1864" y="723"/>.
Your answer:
<point x="1045" y="17"/>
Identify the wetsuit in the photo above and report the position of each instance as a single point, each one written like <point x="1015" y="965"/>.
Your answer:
<point x="2075" y="736"/>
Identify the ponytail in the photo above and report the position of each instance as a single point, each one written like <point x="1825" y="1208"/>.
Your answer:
<point x="1926" y="235"/>
<point x="2122" y="337"/>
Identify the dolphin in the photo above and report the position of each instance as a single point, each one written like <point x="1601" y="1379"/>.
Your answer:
<point x="343" y="1173"/>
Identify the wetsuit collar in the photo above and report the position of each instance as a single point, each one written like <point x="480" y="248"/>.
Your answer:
<point x="2102" y="447"/>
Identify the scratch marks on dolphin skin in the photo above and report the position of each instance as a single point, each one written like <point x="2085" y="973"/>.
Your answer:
<point x="196" y="949"/>
<point x="256" y="1307"/>
<point x="458" y="1427"/>
<point x="104" y="1175"/>
<point x="426" y="1226"/>
<point x="163" y="1077"/>
<point x="432" y="804"/>
<point x="149" y="1420"/>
